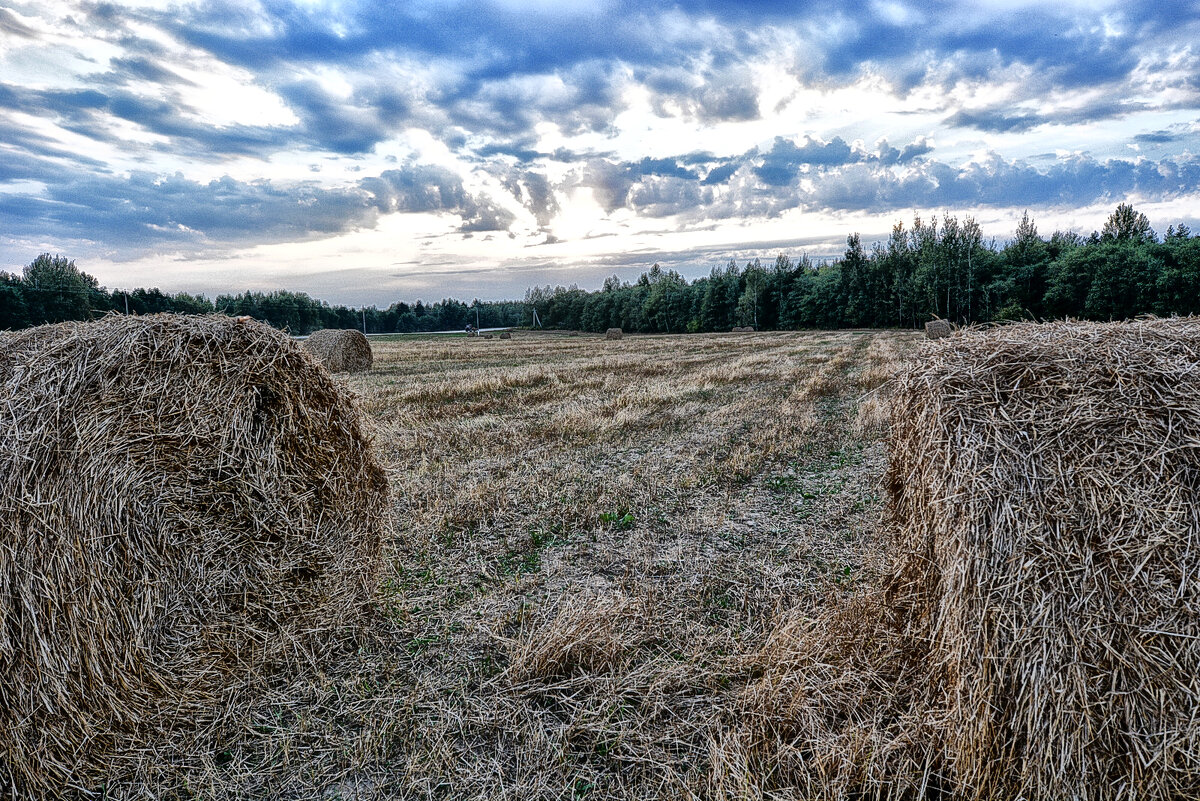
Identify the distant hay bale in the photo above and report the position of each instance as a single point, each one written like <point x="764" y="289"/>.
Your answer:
<point x="614" y="333"/>
<point x="743" y="329"/>
<point x="185" y="502"/>
<point x="1039" y="634"/>
<point x="341" y="350"/>
<point x="487" y="336"/>
<point x="506" y="335"/>
<point x="936" y="329"/>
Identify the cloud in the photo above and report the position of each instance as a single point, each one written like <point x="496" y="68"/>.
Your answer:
<point x="1180" y="132"/>
<point x="783" y="161"/>
<point x="424" y="188"/>
<point x="1002" y="119"/>
<point x="11" y="25"/>
<point x="346" y="126"/>
<point x="1074" y="181"/>
<point x="143" y="211"/>
<point x="541" y="99"/>
<point x="535" y="193"/>
<point x="91" y="112"/>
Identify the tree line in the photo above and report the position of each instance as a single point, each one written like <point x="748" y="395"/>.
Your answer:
<point x="53" y="289"/>
<point x="930" y="269"/>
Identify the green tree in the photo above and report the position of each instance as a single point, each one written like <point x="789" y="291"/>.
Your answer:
<point x="13" y="312"/>
<point x="57" y="290"/>
<point x="1125" y="224"/>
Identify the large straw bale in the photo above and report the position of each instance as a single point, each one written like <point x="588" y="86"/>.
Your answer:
<point x="614" y="333"/>
<point x="184" y="502"/>
<point x="936" y="329"/>
<point x="1039" y="635"/>
<point x="341" y="350"/>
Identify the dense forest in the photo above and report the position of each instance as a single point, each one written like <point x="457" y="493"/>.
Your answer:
<point x="931" y="269"/>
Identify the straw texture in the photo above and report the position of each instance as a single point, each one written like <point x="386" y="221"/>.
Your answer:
<point x="184" y="501"/>
<point x="1039" y="635"/>
<point x="341" y="350"/>
<point x="614" y="333"/>
<point x="936" y="329"/>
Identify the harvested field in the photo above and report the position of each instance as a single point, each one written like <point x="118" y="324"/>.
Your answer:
<point x="657" y="570"/>
<point x="595" y="545"/>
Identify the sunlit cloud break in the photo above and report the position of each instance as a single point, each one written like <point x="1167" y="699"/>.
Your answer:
<point x="372" y="151"/>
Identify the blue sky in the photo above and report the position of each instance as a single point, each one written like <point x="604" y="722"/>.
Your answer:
<point x="372" y="151"/>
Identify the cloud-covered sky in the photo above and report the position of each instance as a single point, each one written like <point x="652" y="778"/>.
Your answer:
<point x="372" y="151"/>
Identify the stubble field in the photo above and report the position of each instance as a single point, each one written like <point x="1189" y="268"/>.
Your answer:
<point x="601" y="548"/>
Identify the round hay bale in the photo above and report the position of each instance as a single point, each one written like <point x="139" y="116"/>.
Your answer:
<point x="614" y="333"/>
<point x="1046" y="496"/>
<point x="506" y="335"/>
<point x="341" y="350"/>
<point x="936" y="329"/>
<point x="1038" y="635"/>
<point x="185" y="502"/>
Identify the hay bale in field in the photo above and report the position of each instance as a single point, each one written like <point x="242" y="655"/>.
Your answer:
<point x="936" y="329"/>
<point x="1039" y="635"/>
<point x="505" y="335"/>
<point x="743" y="329"/>
<point x="614" y="333"/>
<point x="341" y="350"/>
<point x="185" y="504"/>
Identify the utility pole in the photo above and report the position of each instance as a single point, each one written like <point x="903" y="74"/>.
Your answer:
<point x="126" y="303"/>
<point x="476" y="317"/>
<point x="364" y="319"/>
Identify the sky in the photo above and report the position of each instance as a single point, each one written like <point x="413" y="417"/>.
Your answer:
<point x="383" y="150"/>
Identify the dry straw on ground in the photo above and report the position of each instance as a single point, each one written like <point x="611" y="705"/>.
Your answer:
<point x="614" y="333"/>
<point x="341" y="350"/>
<point x="186" y="503"/>
<point x="1039" y="636"/>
